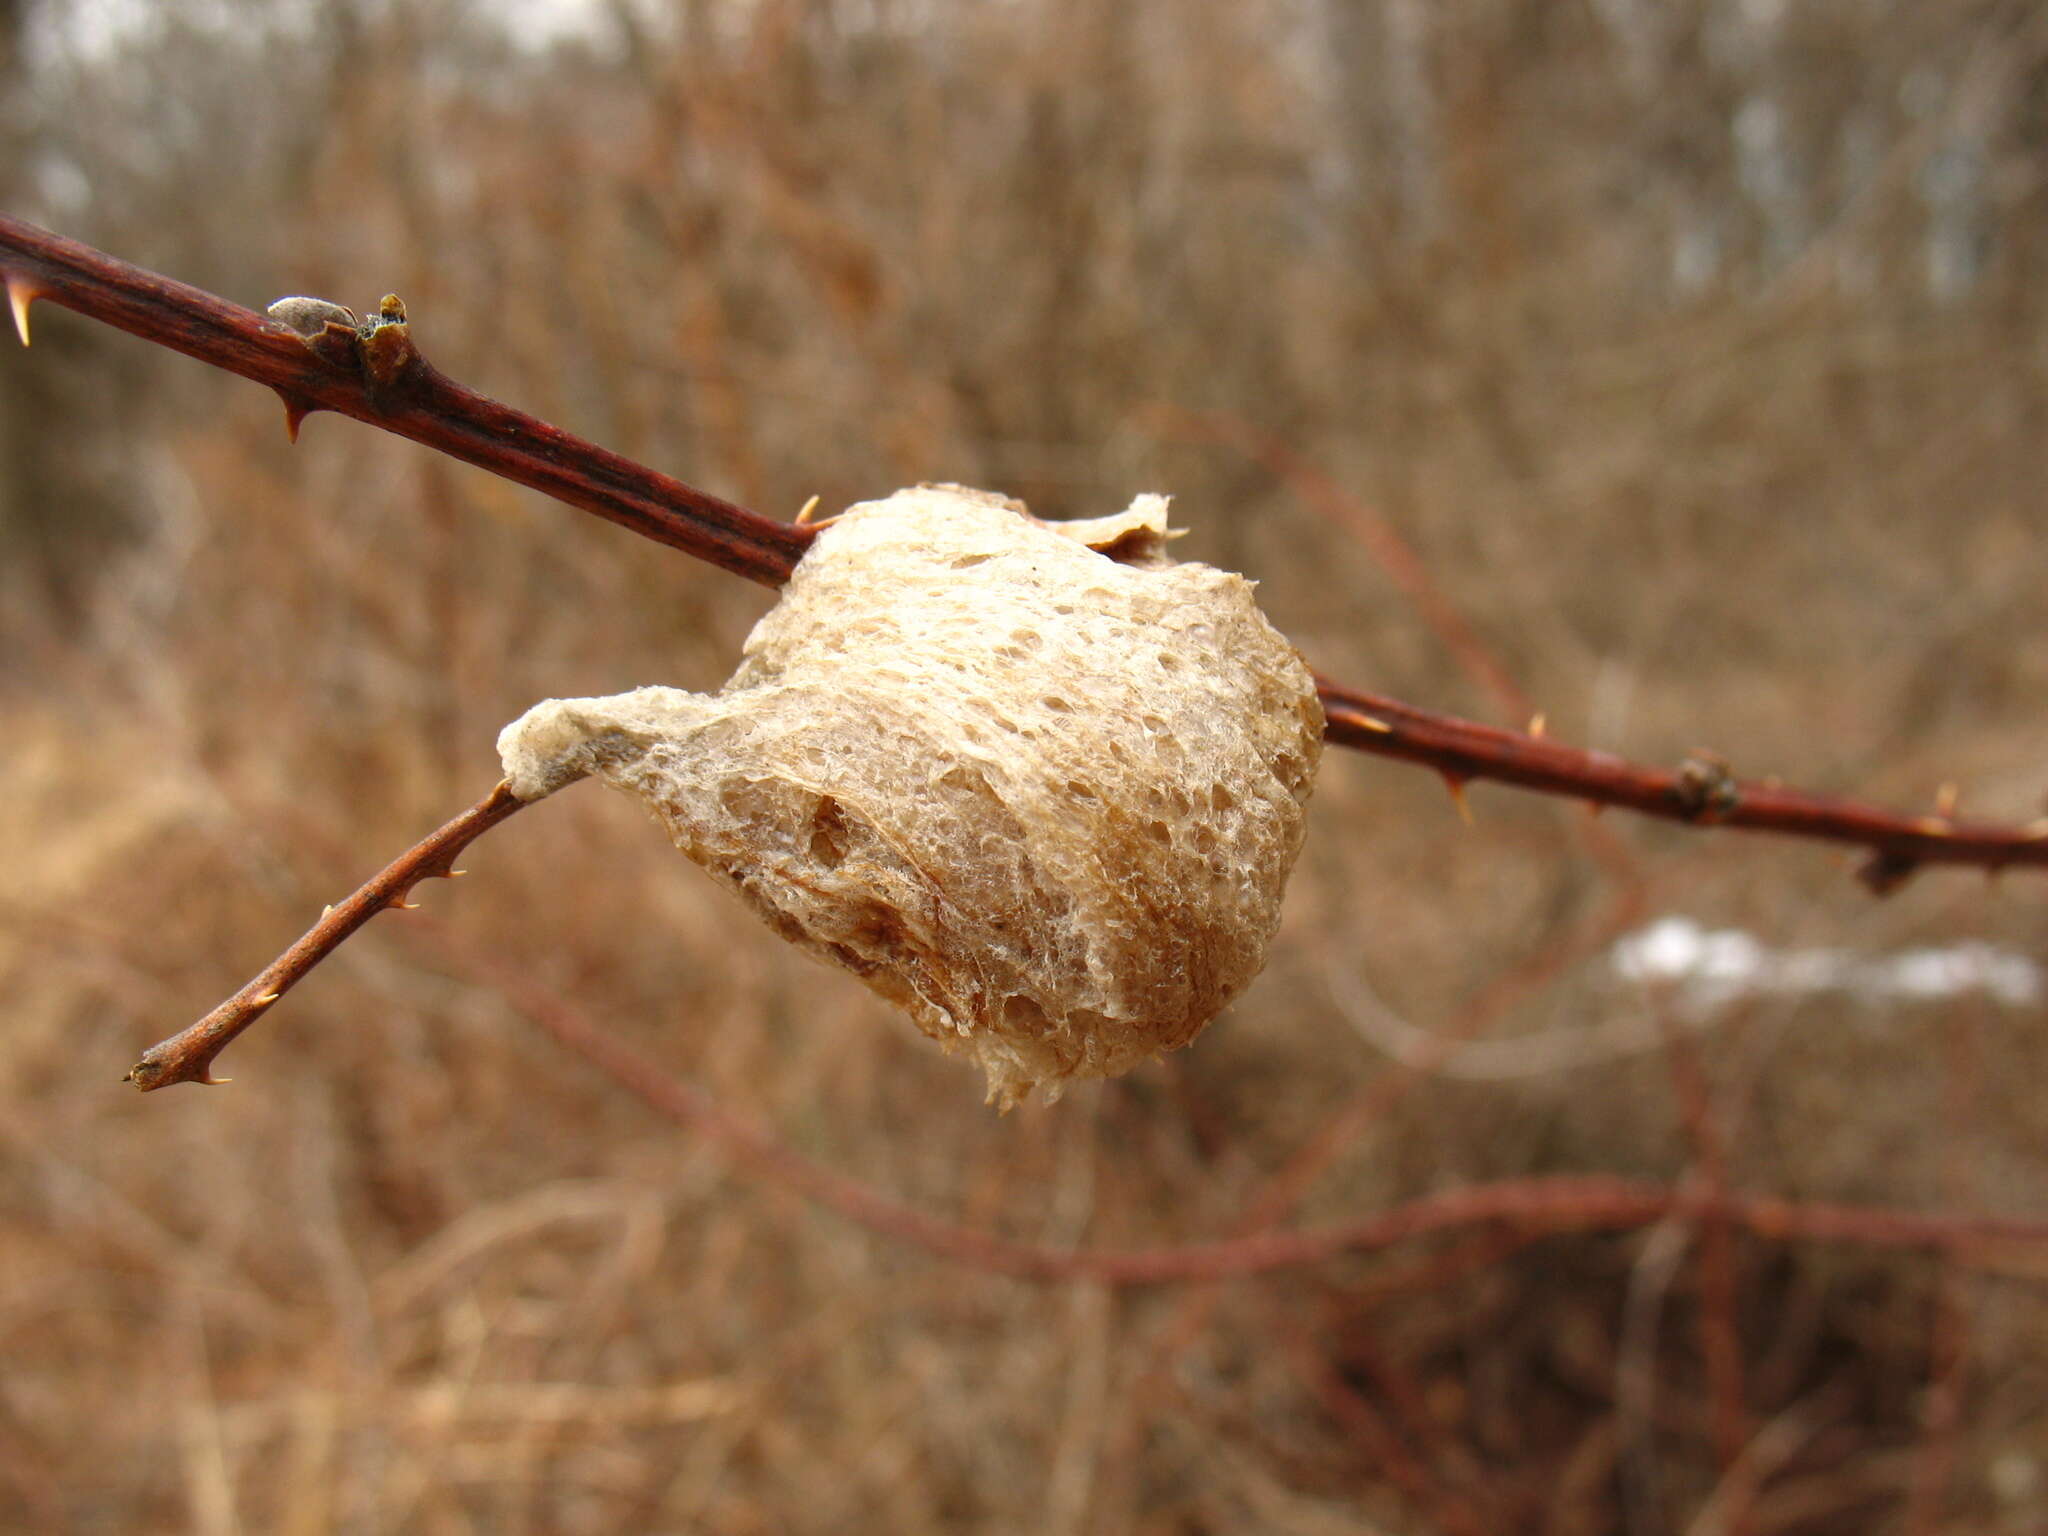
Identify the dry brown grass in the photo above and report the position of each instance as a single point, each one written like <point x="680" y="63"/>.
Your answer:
<point x="418" y="1270"/>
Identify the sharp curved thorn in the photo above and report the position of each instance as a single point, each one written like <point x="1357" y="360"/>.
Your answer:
<point x="208" y="1080"/>
<point x="296" y="410"/>
<point x="457" y="874"/>
<point x="1456" y="786"/>
<point x="1373" y="723"/>
<point x="266" y="1000"/>
<point x="1536" y="726"/>
<point x="406" y="906"/>
<point x="808" y="508"/>
<point x="20" y="294"/>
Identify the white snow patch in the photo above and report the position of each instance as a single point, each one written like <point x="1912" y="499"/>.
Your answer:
<point x="1716" y="967"/>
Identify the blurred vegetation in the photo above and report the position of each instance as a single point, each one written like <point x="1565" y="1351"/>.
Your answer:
<point x="1698" y="350"/>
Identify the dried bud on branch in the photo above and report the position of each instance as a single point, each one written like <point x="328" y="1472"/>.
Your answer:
<point x="1034" y="783"/>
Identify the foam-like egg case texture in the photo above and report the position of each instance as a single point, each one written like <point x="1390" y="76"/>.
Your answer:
<point x="1033" y="782"/>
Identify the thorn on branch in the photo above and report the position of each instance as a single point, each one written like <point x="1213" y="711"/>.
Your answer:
<point x="1455" y="784"/>
<point x="20" y="294"/>
<point x="296" y="409"/>
<point x="1886" y="870"/>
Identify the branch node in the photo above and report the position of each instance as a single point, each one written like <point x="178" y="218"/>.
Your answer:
<point x="386" y="346"/>
<point x="310" y="316"/>
<point x="1704" y="787"/>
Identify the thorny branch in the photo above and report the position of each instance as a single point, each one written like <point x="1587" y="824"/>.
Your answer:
<point x="378" y="376"/>
<point x="1699" y="791"/>
<point x="187" y="1057"/>
<point x="374" y="373"/>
